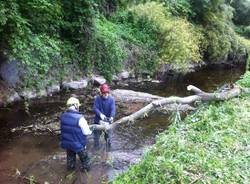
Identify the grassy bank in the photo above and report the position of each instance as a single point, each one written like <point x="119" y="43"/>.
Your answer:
<point x="209" y="146"/>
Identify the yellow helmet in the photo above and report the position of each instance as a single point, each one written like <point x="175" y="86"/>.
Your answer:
<point x="73" y="101"/>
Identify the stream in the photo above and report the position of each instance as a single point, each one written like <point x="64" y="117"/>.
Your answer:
<point x="31" y="158"/>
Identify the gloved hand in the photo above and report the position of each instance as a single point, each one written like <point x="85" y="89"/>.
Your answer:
<point x="111" y="119"/>
<point x="102" y="116"/>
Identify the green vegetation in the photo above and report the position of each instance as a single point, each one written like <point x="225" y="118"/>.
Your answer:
<point x="245" y="81"/>
<point x="105" y="36"/>
<point x="241" y="16"/>
<point x="139" y="37"/>
<point x="106" y="51"/>
<point x="242" y="11"/>
<point x="209" y="146"/>
<point x="179" y="43"/>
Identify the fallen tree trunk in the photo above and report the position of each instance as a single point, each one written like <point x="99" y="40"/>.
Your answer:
<point x="199" y="95"/>
<point x="129" y="95"/>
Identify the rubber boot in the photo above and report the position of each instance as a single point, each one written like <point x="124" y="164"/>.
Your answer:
<point x="85" y="165"/>
<point x="71" y="160"/>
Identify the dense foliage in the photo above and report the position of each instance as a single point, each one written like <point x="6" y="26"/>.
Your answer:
<point x="241" y="16"/>
<point x="209" y="146"/>
<point x="242" y="12"/>
<point x="42" y="34"/>
<point x="105" y="50"/>
<point x="179" y="42"/>
<point x="107" y="35"/>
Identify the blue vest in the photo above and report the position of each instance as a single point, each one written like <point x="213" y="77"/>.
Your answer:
<point x="72" y="137"/>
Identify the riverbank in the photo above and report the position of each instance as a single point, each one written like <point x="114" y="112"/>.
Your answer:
<point x="12" y="94"/>
<point x="209" y="146"/>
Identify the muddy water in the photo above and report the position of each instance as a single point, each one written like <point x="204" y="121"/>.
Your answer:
<point x="39" y="156"/>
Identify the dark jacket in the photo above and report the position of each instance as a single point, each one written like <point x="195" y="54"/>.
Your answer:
<point x="72" y="137"/>
<point x="105" y="106"/>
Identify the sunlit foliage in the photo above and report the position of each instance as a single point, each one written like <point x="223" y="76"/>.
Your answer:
<point x="179" y="39"/>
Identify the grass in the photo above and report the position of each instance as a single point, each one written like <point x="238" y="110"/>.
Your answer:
<point x="211" y="145"/>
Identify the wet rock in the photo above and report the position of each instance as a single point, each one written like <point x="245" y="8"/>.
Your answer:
<point x="122" y="160"/>
<point x="75" y="84"/>
<point x="115" y="78"/>
<point x="28" y="94"/>
<point x="129" y="95"/>
<point x="14" y="97"/>
<point x="98" y="80"/>
<point x="42" y="93"/>
<point x="157" y="81"/>
<point x="10" y="73"/>
<point x="53" y="89"/>
<point x="126" y="158"/>
<point x="123" y="75"/>
<point x="31" y="94"/>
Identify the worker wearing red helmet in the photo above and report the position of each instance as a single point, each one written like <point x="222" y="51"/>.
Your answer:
<point x="104" y="108"/>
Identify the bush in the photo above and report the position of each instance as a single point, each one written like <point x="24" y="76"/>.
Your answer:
<point x="246" y="31"/>
<point x="106" y="49"/>
<point x="243" y="42"/>
<point x="216" y="44"/>
<point x="241" y="13"/>
<point x="114" y="41"/>
<point x="44" y="16"/>
<point x="245" y="81"/>
<point x="140" y="37"/>
<point x="37" y="53"/>
<point x="179" y="8"/>
<point x="179" y="40"/>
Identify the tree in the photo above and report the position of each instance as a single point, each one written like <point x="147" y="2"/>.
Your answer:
<point x="241" y="12"/>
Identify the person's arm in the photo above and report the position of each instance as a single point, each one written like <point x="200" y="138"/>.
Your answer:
<point x="113" y="109"/>
<point x="84" y="126"/>
<point x="96" y="106"/>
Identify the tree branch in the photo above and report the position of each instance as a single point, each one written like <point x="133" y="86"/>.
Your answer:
<point x="159" y="102"/>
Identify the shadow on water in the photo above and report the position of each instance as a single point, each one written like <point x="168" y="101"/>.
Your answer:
<point x="41" y="156"/>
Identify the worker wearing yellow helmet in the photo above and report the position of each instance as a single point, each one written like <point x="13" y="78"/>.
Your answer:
<point x="74" y="131"/>
<point x="72" y="101"/>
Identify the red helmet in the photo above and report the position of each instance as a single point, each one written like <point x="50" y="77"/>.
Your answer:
<point x="104" y="88"/>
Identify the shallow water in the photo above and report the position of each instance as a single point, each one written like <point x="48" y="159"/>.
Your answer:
<point x="22" y="152"/>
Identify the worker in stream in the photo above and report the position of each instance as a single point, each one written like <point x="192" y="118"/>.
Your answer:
<point x="74" y="131"/>
<point x="104" y="108"/>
